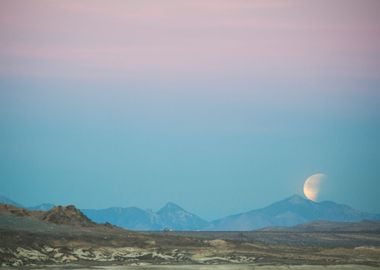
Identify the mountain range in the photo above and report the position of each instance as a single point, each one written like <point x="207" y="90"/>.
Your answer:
<point x="170" y="217"/>
<point x="289" y="212"/>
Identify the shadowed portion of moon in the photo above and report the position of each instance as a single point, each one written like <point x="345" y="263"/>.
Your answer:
<point x="312" y="186"/>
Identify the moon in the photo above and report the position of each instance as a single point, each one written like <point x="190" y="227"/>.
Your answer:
<point x="312" y="186"/>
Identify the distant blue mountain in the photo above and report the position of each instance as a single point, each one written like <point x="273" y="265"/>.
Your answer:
<point x="174" y="217"/>
<point x="289" y="212"/>
<point x="41" y="207"/>
<point x="171" y="217"/>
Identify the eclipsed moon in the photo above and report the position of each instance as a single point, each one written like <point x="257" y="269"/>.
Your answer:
<point x="312" y="186"/>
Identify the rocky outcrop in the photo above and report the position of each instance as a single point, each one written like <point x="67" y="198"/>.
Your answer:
<point x="67" y="215"/>
<point x="21" y="212"/>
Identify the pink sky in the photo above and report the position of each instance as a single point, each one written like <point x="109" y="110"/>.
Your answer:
<point x="182" y="38"/>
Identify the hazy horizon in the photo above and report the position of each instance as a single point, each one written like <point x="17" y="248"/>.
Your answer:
<point x="213" y="217"/>
<point x="219" y="106"/>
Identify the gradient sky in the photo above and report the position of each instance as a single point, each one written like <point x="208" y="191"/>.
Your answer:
<point x="219" y="106"/>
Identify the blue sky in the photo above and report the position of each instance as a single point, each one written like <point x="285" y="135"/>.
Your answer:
<point x="220" y="108"/>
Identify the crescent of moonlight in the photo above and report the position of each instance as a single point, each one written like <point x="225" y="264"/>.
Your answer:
<point x="312" y="186"/>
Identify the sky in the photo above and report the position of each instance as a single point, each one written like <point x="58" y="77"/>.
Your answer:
<point x="218" y="106"/>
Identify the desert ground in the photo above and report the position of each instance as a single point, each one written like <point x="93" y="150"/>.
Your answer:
<point x="65" y="239"/>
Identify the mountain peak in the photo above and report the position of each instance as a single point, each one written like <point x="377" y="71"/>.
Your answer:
<point x="175" y="217"/>
<point x="170" y="206"/>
